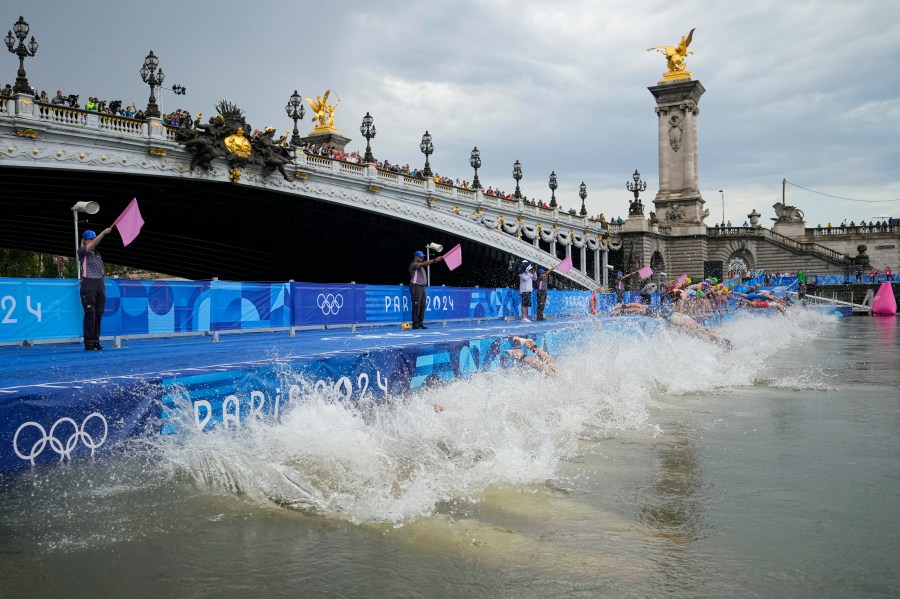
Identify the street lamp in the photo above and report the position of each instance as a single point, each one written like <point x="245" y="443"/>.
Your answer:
<point x="296" y="112"/>
<point x="22" y="50"/>
<point x="475" y="162"/>
<point x="582" y="193"/>
<point x="368" y="131"/>
<point x="636" y="207"/>
<point x="152" y="78"/>
<point x="427" y="148"/>
<point x="553" y="187"/>
<point x="517" y="175"/>
<point x="723" y="207"/>
<point x="87" y="208"/>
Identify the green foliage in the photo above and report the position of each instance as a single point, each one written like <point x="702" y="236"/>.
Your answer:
<point x="19" y="264"/>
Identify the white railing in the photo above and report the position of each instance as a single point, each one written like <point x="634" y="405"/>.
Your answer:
<point x="413" y="183"/>
<point x="349" y="168"/>
<point x="318" y="161"/>
<point x="62" y="114"/>
<point x="446" y="190"/>
<point x="122" y="125"/>
<point x="388" y="177"/>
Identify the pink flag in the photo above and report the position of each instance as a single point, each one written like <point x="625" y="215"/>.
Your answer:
<point x="129" y="222"/>
<point x="453" y="257"/>
<point x="564" y="266"/>
<point x="682" y="279"/>
<point x="645" y="272"/>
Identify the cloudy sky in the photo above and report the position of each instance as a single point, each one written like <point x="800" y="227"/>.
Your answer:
<point x="805" y="90"/>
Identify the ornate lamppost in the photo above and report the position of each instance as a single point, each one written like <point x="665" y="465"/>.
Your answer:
<point x="368" y="131"/>
<point x="22" y="50"/>
<point x="296" y="112"/>
<point x="582" y="193"/>
<point x="553" y="188"/>
<point x="517" y="175"/>
<point x="427" y="148"/>
<point x="475" y="162"/>
<point x="635" y="207"/>
<point x="152" y="78"/>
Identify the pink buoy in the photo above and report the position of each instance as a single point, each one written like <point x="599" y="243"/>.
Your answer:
<point x="884" y="303"/>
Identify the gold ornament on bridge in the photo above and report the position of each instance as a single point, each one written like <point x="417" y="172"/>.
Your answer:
<point x="238" y="145"/>
<point x="324" y="117"/>
<point x="675" y="57"/>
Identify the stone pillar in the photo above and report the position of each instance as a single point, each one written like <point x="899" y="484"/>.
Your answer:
<point x="678" y="201"/>
<point x="24" y="106"/>
<point x="584" y="260"/>
<point x="597" y="266"/>
<point x="605" y="270"/>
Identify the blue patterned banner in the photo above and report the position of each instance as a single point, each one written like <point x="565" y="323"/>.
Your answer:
<point x="44" y="309"/>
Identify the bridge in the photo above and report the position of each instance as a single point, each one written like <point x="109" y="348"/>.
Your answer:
<point x="331" y="221"/>
<point x="335" y="221"/>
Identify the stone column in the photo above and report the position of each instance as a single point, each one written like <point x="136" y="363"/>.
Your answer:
<point x="678" y="201"/>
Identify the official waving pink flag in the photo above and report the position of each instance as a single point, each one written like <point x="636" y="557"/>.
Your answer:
<point x="682" y="279"/>
<point x="564" y="266"/>
<point x="645" y="272"/>
<point x="129" y="222"/>
<point x="453" y="257"/>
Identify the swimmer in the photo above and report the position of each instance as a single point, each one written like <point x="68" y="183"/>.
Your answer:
<point x="544" y="363"/>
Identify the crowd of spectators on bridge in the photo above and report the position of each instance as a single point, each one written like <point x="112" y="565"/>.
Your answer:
<point x="327" y="151"/>
<point x="110" y="107"/>
<point x="886" y="225"/>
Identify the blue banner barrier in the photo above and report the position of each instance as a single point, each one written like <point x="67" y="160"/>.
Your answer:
<point x="47" y="309"/>
<point x="39" y="309"/>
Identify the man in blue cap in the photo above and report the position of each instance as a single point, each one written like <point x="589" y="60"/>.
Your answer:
<point x="92" y="289"/>
<point x="417" y="281"/>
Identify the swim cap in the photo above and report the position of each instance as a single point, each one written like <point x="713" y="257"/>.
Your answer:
<point x="714" y="279"/>
<point x="88" y="234"/>
<point x="687" y="281"/>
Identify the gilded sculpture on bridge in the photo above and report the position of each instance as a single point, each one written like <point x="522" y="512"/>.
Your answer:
<point x="324" y="113"/>
<point x="225" y="137"/>
<point x="675" y="58"/>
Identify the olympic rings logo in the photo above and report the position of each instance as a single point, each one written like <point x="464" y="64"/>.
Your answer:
<point x="65" y="446"/>
<point x="330" y="304"/>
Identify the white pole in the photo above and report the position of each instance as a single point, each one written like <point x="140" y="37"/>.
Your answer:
<point x="77" y="265"/>
<point x="428" y="268"/>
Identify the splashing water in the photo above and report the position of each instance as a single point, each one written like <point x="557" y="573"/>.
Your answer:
<point x="401" y="460"/>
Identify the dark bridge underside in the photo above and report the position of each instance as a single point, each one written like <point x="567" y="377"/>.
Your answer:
<point x="200" y="229"/>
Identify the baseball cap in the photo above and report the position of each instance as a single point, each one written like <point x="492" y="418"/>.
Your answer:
<point x="88" y="234"/>
<point x="542" y="271"/>
<point x="419" y="254"/>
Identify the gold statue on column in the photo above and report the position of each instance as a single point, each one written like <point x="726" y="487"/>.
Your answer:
<point x="324" y="114"/>
<point x="675" y="57"/>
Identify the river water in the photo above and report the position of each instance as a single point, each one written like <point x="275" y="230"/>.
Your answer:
<point x="656" y="465"/>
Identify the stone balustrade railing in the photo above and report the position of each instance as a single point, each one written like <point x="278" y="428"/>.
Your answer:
<point x="800" y="246"/>
<point x="854" y="230"/>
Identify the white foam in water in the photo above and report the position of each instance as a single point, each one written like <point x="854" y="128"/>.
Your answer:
<point x="399" y="460"/>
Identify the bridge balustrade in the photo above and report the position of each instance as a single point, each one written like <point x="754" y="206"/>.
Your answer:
<point x="854" y="230"/>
